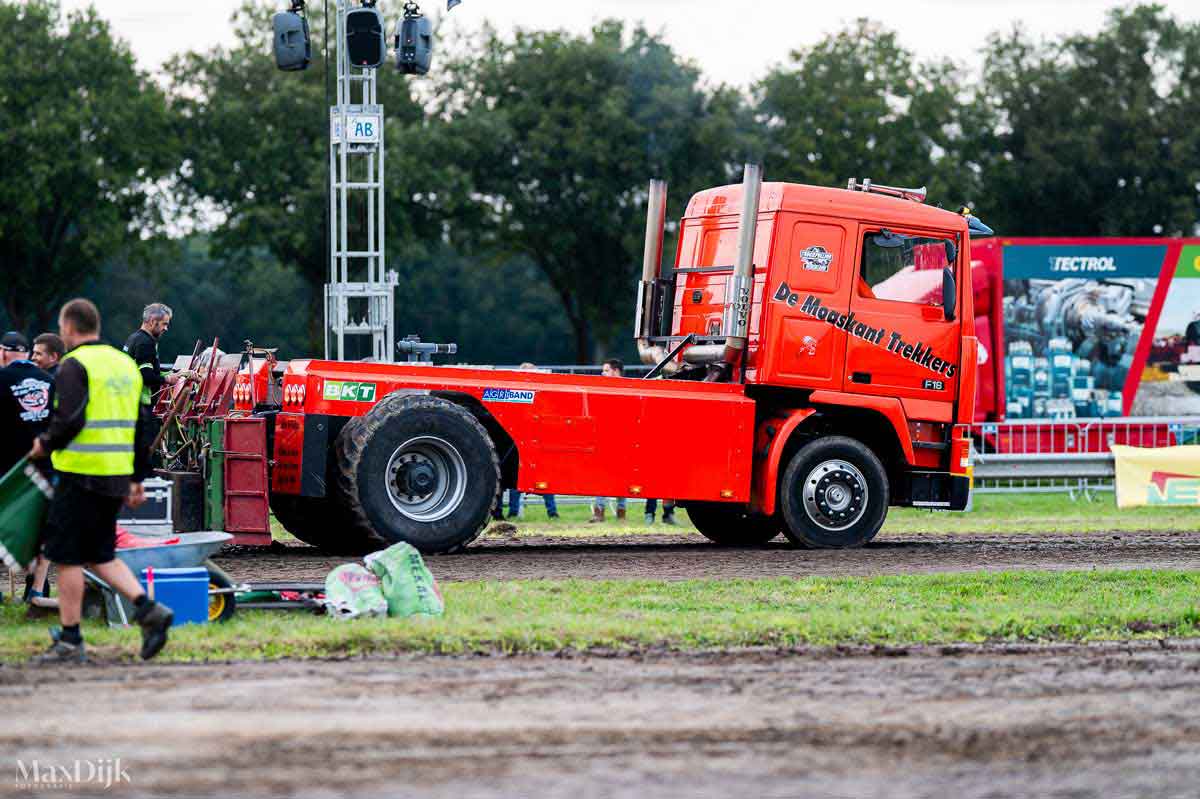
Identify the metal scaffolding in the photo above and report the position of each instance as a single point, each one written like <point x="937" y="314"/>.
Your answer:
<point x="360" y="295"/>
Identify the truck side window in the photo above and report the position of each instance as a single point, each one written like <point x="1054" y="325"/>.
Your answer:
<point x="902" y="267"/>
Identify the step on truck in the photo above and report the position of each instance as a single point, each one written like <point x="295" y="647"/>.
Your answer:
<point x="814" y="363"/>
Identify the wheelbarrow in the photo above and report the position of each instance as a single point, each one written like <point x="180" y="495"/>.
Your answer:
<point x="192" y="551"/>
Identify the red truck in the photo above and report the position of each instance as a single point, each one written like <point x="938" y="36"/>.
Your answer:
<point x="814" y="363"/>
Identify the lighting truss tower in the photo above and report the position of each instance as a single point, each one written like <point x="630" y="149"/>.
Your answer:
<point x="360" y="295"/>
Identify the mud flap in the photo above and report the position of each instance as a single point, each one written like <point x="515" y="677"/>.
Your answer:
<point x="941" y="490"/>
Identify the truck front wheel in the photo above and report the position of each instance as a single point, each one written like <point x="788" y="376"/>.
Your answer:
<point x="420" y="469"/>
<point x="834" y="494"/>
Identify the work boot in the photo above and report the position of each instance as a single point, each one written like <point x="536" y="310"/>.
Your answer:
<point x="669" y="518"/>
<point x="155" y="619"/>
<point x="650" y="519"/>
<point x="60" y="651"/>
<point x="620" y="514"/>
<point x="597" y="516"/>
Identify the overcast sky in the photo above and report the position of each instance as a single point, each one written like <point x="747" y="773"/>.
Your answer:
<point x="733" y="42"/>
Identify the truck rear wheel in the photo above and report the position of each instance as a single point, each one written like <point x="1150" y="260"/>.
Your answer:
<point x="420" y="469"/>
<point x="834" y="494"/>
<point x="728" y="524"/>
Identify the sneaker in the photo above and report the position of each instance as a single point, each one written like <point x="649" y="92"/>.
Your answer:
<point x="155" y="619"/>
<point x="62" y="652"/>
<point x="669" y="518"/>
<point x="553" y="516"/>
<point x="649" y="519"/>
<point x="597" y="516"/>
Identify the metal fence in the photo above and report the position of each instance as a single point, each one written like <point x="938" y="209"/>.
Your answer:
<point x="1033" y="455"/>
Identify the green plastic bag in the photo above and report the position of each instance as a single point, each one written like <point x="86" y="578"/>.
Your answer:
<point x="407" y="583"/>
<point x="24" y="497"/>
<point x="351" y="591"/>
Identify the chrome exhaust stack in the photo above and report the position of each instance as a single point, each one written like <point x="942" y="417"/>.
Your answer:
<point x="739" y="289"/>
<point x="651" y="288"/>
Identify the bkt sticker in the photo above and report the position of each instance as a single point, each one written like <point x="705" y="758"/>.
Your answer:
<point x="508" y="395"/>
<point x="349" y="391"/>
<point x="816" y="259"/>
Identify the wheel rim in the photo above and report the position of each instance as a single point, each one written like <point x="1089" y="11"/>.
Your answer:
<point x="426" y="478"/>
<point x="216" y="603"/>
<point x="835" y="495"/>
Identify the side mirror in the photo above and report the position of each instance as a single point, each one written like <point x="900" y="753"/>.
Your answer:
<point x="949" y="293"/>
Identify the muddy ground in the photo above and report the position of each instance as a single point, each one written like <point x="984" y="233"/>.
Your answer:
<point x="1053" y="721"/>
<point x="689" y="555"/>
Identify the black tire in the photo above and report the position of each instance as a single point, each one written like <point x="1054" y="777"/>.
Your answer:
<point x="325" y="523"/>
<point x="833" y="494"/>
<point x="728" y="524"/>
<point x="221" y="607"/>
<point x="419" y="469"/>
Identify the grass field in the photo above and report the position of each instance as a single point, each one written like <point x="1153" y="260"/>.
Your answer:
<point x="533" y="616"/>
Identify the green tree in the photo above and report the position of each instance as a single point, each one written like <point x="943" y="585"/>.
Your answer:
<point x="559" y="135"/>
<point x="84" y="139"/>
<point x="857" y="104"/>
<point x="1092" y="135"/>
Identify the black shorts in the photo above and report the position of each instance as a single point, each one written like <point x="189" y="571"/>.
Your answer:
<point x="81" y="525"/>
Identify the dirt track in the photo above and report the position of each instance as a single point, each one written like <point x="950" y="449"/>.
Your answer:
<point x="691" y="556"/>
<point x="1107" y="720"/>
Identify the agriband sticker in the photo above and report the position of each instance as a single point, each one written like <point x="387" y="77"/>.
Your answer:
<point x="349" y="391"/>
<point x="917" y="352"/>
<point x="517" y="396"/>
<point x="816" y="258"/>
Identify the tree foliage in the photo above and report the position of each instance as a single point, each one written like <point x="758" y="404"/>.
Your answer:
<point x="560" y="135"/>
<point x="84" y="136"/>
<point x="857" y="104"/>
<point x="1093" y="135"/>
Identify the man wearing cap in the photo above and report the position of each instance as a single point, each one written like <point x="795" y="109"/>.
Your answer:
<point x="26" y="397"/>
<point x="91" y="442"/>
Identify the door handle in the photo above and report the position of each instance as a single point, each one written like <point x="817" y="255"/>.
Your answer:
<point x="860" y="377"/>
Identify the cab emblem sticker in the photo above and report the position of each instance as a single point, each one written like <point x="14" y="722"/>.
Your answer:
<point x="816" y="258"/>
<point x="808" y="345"/>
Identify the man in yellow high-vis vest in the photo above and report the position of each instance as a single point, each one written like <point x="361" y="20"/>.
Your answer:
<point x="91" y="442"/>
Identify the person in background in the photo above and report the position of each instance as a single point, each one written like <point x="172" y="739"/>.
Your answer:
<point x="48" y="350"/>
<point x="142" y="346"/>
<point x="613" y="367"/>
<point x="668" y="514"/>
<point x="514" y="496"/>
<point x="91" y="441"/>
<point x="26" y="400"/>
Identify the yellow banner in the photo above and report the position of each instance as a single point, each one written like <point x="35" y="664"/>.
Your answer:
<point x="1157" y="476"/>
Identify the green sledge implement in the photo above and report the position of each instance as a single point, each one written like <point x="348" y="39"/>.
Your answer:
<point x="24" y="496"/>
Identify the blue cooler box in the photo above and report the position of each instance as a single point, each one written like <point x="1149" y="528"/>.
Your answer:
<point x="185" y="591"/>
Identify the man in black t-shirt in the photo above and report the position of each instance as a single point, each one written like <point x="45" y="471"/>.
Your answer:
<point x="26" y="399"/>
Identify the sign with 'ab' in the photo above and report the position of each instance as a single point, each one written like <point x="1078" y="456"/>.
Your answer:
<point x="364" y="123"/>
